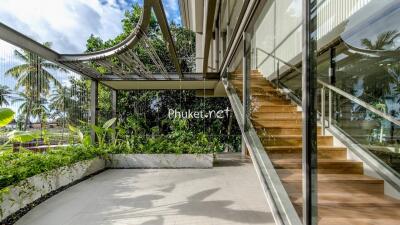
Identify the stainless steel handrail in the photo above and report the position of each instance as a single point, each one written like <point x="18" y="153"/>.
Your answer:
<point x="360" y="102"/>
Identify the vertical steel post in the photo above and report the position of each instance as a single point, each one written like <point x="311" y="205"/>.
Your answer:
<point x="277" y="75"/>
<point x="216" y="46"/>
<point x="323" y="110"/>
<point x="246" y="85"/>
<point x="332" y="81"/>
<point x="94" y="91"/>
<point x="114" y="100"/>
<point x="329" y="108"/>
<point x="309" y="85"/>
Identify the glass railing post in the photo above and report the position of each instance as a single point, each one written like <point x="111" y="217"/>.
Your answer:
<point x="329" y="108"/>
<point x="323" y="110"/>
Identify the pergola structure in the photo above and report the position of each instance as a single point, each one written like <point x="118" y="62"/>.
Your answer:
<point x="120" y="61"/>
<point x="124" y="69"/>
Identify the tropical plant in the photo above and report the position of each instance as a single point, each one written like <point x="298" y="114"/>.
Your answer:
<point x="5" y="95"/>
<point x="6" y="116"/>
<point x="60" y="100"/>
<point x="151" y="106"/>
<point x="30" y="106"/>
<point x="34" y="75"/>
<point x="103" y="133"/>
<point x="34" y="72"/>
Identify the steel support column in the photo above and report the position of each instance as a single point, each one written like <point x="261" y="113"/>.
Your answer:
<point x="114" y="100"/>
<point x="309" y="86"/>
<point x="246" y="84"/>
<point x="94" y="91"/>
<point x="207" y="31"/>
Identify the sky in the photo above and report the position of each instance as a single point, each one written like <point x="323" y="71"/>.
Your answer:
<point x="68" y="23"/>
<point x="65" y="23"/>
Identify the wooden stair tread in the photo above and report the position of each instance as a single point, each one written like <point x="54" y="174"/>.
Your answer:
<point x="319" y="161"/>
<point x="296" y="136"/>
<point x="349" y="199"/>
<point x="324" y="148"/>
<point x="297" y="177"/>
<point x="358" y="215"/>
<point x="326" y="166"/>
<point x="271" y="125"/>
<point x="358" y="221"/>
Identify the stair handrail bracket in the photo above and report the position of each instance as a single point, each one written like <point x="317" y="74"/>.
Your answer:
<point x="282" y="208"/>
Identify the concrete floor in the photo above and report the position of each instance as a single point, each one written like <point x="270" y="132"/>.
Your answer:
<point x="227" y="194"/>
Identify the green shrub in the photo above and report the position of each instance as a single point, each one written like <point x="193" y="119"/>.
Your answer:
<point x="17" y="166"/>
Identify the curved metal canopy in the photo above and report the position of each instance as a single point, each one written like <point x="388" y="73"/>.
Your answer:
<point x="119" y="60"/>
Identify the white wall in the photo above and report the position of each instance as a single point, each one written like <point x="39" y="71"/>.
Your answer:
<point x="279" y="31"/>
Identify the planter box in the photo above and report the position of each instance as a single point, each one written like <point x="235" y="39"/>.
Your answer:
<point x="160" y="161"/>
<point x="18" y="196"/>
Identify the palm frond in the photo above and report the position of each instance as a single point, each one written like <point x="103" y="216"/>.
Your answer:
<point x="49" y="65"/>
<point x="20" y="56"/>
<point x="48" y="76"/>
<point x="16" y="71"/>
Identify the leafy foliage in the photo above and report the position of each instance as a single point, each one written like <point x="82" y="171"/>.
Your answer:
<point x="141" y="111"/>
<point x="15" y="167"/>
<point x="6" y="116"/>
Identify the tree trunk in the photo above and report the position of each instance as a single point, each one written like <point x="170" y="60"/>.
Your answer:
<point x="28" y="114"/>
<point x="230" y="123"/>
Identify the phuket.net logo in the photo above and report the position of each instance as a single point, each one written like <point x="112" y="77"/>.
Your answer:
<point x="189" y="114"/>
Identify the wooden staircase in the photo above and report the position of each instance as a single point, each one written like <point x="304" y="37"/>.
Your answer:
<point x="345" y="195"/>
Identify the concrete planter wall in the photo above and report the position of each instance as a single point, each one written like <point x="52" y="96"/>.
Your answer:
<point x="18" y="196"/>
<point x="160" y="161"/>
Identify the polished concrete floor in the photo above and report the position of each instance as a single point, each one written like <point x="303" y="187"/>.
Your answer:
<point x="227" y="194"/>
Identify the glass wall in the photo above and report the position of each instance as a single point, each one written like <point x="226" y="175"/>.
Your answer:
<point x="358" y="46"/>
<point x="358" y="52"/>
<point x="365" y="62"/>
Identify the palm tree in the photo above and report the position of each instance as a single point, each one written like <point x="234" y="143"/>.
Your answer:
<point x="60" y="100"/>
<point x="30" y="105"/>
<point x="25" y="108"/>
<point x="384" y="41"/>
<point x="5" y="95"/>
<point x="34" y="75"/>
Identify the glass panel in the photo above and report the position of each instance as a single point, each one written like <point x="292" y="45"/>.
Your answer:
<point x="358" y="52"/>
<point x="372" y="132"/>
<point x="276" y="53"/>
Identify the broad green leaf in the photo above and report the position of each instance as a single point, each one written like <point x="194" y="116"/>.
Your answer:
<point x="6" y="116"/>
<point x="98" y="130"/>
<point x="22" y="136"/>
<point x="72" y="128"/>
<point x="86" y="140"/>
<point x="80" y="135"/>
<point x="109" y="123"/>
